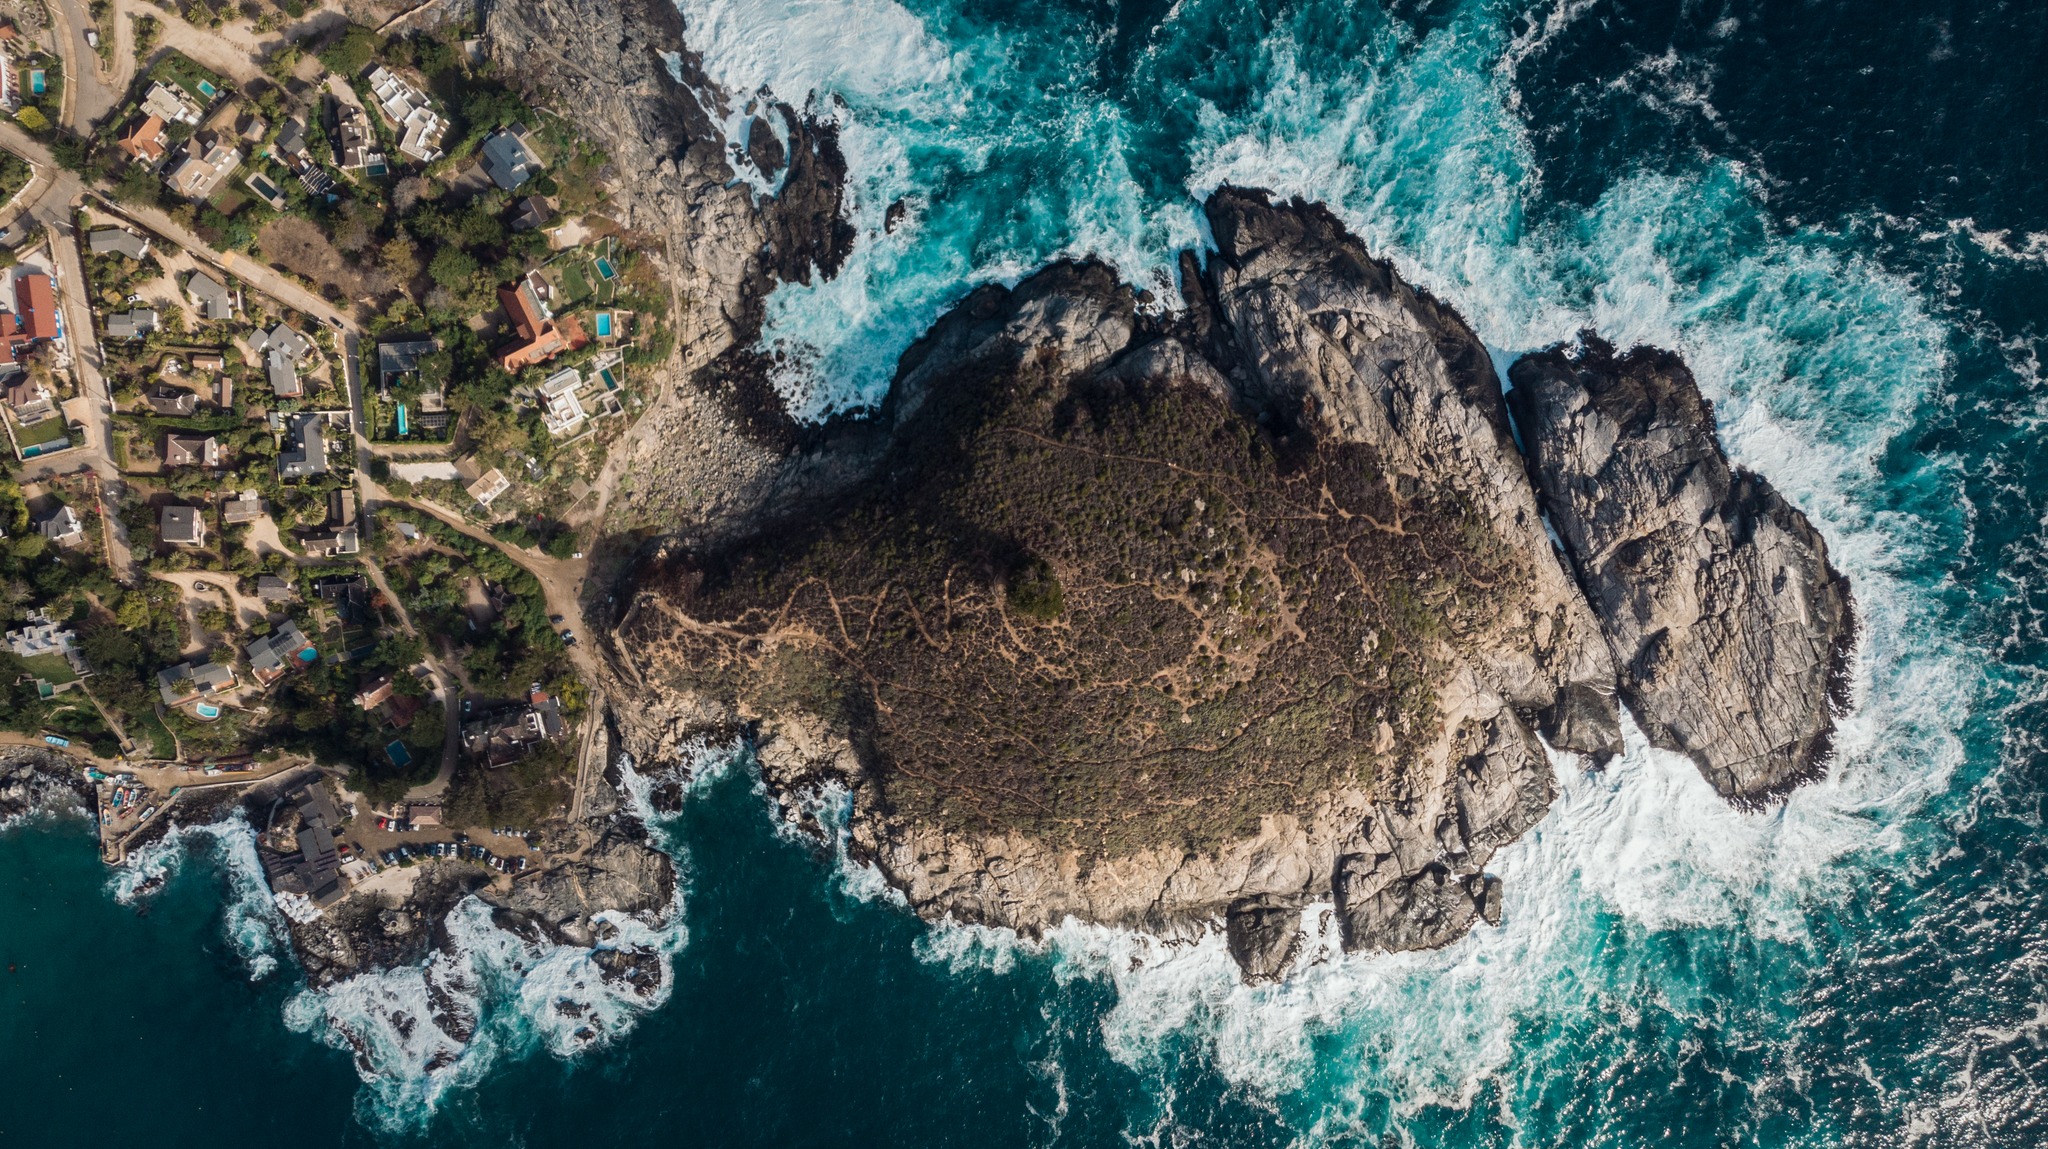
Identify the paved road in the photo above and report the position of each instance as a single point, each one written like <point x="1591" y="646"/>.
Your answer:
<point x="88" y="94"/>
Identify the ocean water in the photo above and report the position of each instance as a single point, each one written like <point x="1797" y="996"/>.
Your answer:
<point x="1832" y="209"/>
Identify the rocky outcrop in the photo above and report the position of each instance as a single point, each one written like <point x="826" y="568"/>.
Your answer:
<point x="619" y="873"/>
<point x="33" y="780"/>
<point x="1730" y="629"/>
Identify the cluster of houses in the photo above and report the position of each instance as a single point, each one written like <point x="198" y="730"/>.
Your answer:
<point x="181" y="525"/>
<point x="42" y="635"/>
<point x="507" y="735"/>
<point x="412" y="115"/>
<point x="196" y="168"/>
<point x="312" y="871"/>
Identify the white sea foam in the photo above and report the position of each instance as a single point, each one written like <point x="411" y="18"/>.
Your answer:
<point x="424" y="1033"/>
<point x="249" y="917"/>
<point x="421" y="1033"/>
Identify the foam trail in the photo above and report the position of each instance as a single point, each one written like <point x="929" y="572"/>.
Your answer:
<point x="422" y="1034"/>
<point x="249" y="917"/>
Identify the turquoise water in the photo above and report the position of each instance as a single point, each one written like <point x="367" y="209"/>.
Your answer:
<point x="1833" y="211"/>
<point x="604" y="324"/>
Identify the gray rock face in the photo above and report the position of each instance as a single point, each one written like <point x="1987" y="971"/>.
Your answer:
<point x="1264" y="935"/>
<point x="620" y="872"/>
<point x="32" y="780"/>
<point x="1730" y="629"/>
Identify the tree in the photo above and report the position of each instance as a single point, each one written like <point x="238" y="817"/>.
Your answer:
<point x="33" y="119"/>
<point x="352" y="53"/>
<point x="452" y="268"/>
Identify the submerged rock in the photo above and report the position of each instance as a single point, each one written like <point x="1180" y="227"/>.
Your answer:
<point x="1729" y="627"/>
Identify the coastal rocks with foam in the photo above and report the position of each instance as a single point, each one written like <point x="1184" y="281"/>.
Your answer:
<point x="34" y="780"/>
<point x="1302" y="331"/>
<point x="1730" y="628"/>
<point x="619" y="873"/>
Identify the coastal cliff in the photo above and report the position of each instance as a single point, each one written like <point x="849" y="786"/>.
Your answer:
<point x="1157" y="622"/>
<point x="1166" y="621"/>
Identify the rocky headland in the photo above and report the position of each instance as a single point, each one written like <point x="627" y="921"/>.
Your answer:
<point x="1161" y="622"/>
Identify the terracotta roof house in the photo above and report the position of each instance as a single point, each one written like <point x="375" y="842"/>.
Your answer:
<point x="38" y="306"/>
<point x="540" y="336"/>
<point x="147" y="140"/>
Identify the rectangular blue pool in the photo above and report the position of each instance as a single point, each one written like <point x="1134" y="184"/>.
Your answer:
<point x="36" y="82"/>
<point x="208" y="90"/>
<point x="604" y="268"/>
<point x="401" y="419"/>
<point x="399" y="755"/>
<point x="604" y="325"/>
<point x="611" y="381"/>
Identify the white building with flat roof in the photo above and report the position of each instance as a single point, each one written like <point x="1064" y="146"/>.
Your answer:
<point x="559" y="408"/>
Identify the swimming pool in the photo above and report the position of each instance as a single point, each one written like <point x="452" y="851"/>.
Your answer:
<point x="604" y="268"/>
<point x="309" y="655"/>
<point x="401" y="419"/>
<point x="604" y="323"/>
<point x="207" y="710"/>
<point x="208" y="90"/>
<point x="399" y="755"/>
<point x="36" y="82"/>
<point x="611" y="381"/>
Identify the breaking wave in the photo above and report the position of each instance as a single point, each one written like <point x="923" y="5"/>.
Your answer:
<point x="249" y="916"/>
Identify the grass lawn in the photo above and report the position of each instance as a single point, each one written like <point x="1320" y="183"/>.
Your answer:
<point x="54" y="669"/>
<point x="147" y="727"/>
<point x="229" y="199"/>
<point x="181" y="70"/>
<point x="575" y="285"/>
<point x="48" y="431"/>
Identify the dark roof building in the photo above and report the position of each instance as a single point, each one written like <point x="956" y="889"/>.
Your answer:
<point x="306" y="453"/>
<point x="402" y="358"/>
<point x="181" y="526"/>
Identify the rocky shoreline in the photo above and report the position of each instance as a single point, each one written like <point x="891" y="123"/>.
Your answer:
<point x="1685" y="588"/>
<point x="39" y="780"/>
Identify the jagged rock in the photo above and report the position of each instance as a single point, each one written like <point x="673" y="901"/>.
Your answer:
<point x="1264" y="937"/>
<point x="1731" y="630"/>
<point x="619" y="872"/>
<point x="32" y="780"/>
<point x="1329" y="371"/>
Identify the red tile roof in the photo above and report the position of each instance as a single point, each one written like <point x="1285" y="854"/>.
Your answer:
<point x="38" y="307"/>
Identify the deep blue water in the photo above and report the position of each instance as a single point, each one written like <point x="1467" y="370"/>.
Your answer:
<point x="1833" y="209"/>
